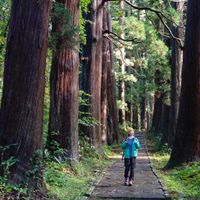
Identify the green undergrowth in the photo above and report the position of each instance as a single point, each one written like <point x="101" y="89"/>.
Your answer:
<point x="65" y="181"/>
<point x="183" y="182"/>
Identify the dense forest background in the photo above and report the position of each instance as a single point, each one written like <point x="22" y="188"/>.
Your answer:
<point x="75" y="75"/>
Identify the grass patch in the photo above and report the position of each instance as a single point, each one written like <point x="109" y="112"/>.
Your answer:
<point x="72" y="182"/>
<point x="182" y="183"/>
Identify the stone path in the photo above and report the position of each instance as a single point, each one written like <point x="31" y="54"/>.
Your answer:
<point x="146" y="185"/>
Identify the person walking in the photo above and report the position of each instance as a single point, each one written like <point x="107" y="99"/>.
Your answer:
<point x="130" y="146"/>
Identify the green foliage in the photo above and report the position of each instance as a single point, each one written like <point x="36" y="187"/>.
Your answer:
<point x="143" y="56"/>
<point x="15" y="190"/>
<point x="4" y="22"/>
<point x="86" y="149"/>
<point x="121" y="105"/>
<point x="66" y="181"/>
<point x="6" y="164"/>
<point x="183" y="182"/>
<point x="47" y="95"/>
<point x="71" y="35"/>
<point x="84" y="4"/>
<point x="85" y="118"/>
<point x="21" y="190"/>
<point x="64" y="33"/>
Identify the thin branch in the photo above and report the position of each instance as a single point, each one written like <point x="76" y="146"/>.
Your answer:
<point x="116" y="47"/>
<point x="120" y="38"/>
<point x="113" y="38"/>
<point x="161" y="33"/>
<point x="180" y="42"/>
<point x="122" y="57"/>
<point x="160" y="16"/>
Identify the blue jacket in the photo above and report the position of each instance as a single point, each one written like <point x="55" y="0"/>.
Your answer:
<point x="135" y="147"/>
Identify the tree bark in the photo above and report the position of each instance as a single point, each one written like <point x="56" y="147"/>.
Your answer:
<point x="165" y="123"/>
<point x="63" y="116"/>
<point x="96" y="71"/>
<point x="186" y="145"/>
<point x="23" y="91"/>
<point x="176" y="72"/>
<point x="105" y="62"/>
<point x="111" y="92"/>
<point x="158" y="102"/>
<point x="92" y="53"/>
<point x="135" y="116"/>
<point x="129" y="116"/>
<point x="157" y="114"/>
<point x="122" y="112"/>
<point x="150" y="112"/>
<point x="143" y="106"/>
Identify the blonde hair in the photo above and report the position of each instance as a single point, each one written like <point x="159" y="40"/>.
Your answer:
<point x="130" y="130"/>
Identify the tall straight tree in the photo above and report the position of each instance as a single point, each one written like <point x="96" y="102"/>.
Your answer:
<point x="113" y="118"/>
<point x="176" y="71"/>
<point x="92" y="68"/>
<point x="122" y="112"/>
<point x="23" y="90"/>
<point x="158" y="102"/>
<point x="63" y="119"/>
<point x="143" y="114"/>
<point x="105" y="62"/>
<point x="135" y="123"/>
<point x="96" y="70"/>
<point x="186" y="145"/>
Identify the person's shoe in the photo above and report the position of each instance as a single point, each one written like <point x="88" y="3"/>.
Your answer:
<point x="126" y="182"/>
<point x="130" y="182"/>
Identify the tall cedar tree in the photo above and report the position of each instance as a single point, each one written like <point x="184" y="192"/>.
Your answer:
<point x="158" y="102"/>
<point x="105" y="62"/>
<point x="122" y="112"/>
<point x="143" y="108"/>
<point x="186" y="145"/>
<point x="113" y="118"/>
<point x="23" y="90"/>
<point x="96" y="69"/>
<point x="92" y="68"/>
<point x="176" y="72"/>
<point x="63" y="117"/>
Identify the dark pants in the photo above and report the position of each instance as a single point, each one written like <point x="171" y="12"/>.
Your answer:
<point x="129" y="164"/>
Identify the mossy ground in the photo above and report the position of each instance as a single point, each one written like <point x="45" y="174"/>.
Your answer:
<point x="72" y="182"/>
<point x="183" y="182"/>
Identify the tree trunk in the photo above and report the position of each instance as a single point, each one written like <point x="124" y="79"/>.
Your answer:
<point x="122" y="112"/>
<point x="135" y="116"/>
<point x="176" y="71"/>
<point x="63" y="117"/>
<point x="96" y="71"/>
<point x="105" y="62"/>
<point x="85" y="69"/>
<point x="150" y="112"/>
<point x="111" y="92"/>
<point x="92" y="55"/>
<point x="143" y="113"/>
<point x="158" y="102"/>
<point x="165" y="123"/>
<point x="129" y="112"/>
<point x="23" y="90"/>
<point x="157" y="114"/>
<point x="186" y="145"/>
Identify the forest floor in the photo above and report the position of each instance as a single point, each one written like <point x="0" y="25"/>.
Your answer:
<point x="146" y="184"/>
